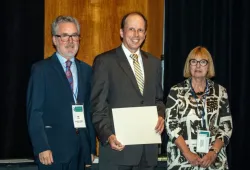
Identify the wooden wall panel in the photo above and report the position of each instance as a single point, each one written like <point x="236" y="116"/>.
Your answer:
<point x="100" y="24"/>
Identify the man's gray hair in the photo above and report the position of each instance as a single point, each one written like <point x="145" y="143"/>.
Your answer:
<point x="64" y="19"/>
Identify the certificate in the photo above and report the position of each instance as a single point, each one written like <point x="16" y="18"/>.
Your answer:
<point x="136" y="125"/>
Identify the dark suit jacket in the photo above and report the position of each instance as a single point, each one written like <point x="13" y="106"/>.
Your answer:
<point x="114" y="86"/>
<point x="49" y="110"/>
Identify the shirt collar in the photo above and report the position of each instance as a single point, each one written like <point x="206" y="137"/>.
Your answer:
<point x="128" y="53"/>
<point x="63" y="60"/>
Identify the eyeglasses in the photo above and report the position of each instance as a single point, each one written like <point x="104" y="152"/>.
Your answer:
<point x="194" y="62"/>
<point x="65" y="37"/>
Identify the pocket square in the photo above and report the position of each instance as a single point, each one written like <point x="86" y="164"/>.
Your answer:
<point x="47" y="127"/>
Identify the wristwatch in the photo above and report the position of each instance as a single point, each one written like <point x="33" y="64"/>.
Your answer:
<point x="214" y="150"/>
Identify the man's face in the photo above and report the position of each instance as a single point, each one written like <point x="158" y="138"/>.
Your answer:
<point x="68" y="48"/>
<point x="133" y="33"/>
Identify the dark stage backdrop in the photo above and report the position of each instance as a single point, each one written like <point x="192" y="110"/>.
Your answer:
<point x="22" y="45"/>
<point x="223" y="26"/>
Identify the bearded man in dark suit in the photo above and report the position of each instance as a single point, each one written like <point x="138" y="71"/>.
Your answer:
<point x="58" y="104"/>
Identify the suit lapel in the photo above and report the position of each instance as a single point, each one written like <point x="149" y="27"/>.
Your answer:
<point x="80" y="83"/>
<point x="124" y="64"/>
<point x="146" y="67"/>
<point x="58" y="67"/>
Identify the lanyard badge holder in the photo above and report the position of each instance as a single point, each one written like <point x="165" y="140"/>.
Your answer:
<point x="78" y="113"/>
<point x="203" y="136"/>
<point x="78" y="116"/>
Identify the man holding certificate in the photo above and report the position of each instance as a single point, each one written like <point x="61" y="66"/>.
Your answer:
<point x="127" y="78"/>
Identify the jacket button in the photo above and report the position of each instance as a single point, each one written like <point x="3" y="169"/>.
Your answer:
<point x="77" y="131"/>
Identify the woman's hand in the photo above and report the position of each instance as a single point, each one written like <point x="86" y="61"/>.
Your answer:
<point x="208" y="159"/>
<point x="192" y="158"/>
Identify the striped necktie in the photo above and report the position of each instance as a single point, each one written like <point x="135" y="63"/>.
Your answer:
<point x="69" y="73"/>
<point x="138" y="72"/>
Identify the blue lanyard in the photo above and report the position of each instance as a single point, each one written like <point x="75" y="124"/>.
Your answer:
<point x="75" y="95"/>
<point x="203" y="107"/>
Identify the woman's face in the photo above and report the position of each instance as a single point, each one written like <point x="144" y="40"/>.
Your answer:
<point x="198" y="67"/>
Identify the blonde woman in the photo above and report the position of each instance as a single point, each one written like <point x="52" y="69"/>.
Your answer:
<point x="197" y="110"/>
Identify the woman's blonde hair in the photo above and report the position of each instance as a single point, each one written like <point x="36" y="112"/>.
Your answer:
<point x="203" y="53"/>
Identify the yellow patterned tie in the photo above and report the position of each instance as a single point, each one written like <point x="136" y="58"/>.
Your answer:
<point x="138" y="72"/>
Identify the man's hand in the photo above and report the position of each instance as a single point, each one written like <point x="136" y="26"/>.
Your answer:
<point x="114" y="143"/>
<point x="46" y="157"/>
<point x="160" y="125"/>
<point x="92" y="159"/>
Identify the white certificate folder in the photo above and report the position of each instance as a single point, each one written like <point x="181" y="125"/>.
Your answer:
<point x="136" y="125"/>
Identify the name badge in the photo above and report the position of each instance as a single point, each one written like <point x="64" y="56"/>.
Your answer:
<point x="78" y="116"/>
<point x="203" y="137"/>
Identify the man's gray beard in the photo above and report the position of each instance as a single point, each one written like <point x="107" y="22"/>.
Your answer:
<point x="70" y="45"/>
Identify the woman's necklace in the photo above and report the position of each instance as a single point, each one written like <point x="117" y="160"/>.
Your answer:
<point x="199" y="93"/>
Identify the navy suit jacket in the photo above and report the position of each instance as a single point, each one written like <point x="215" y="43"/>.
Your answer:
<point x="49" y="111"/>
